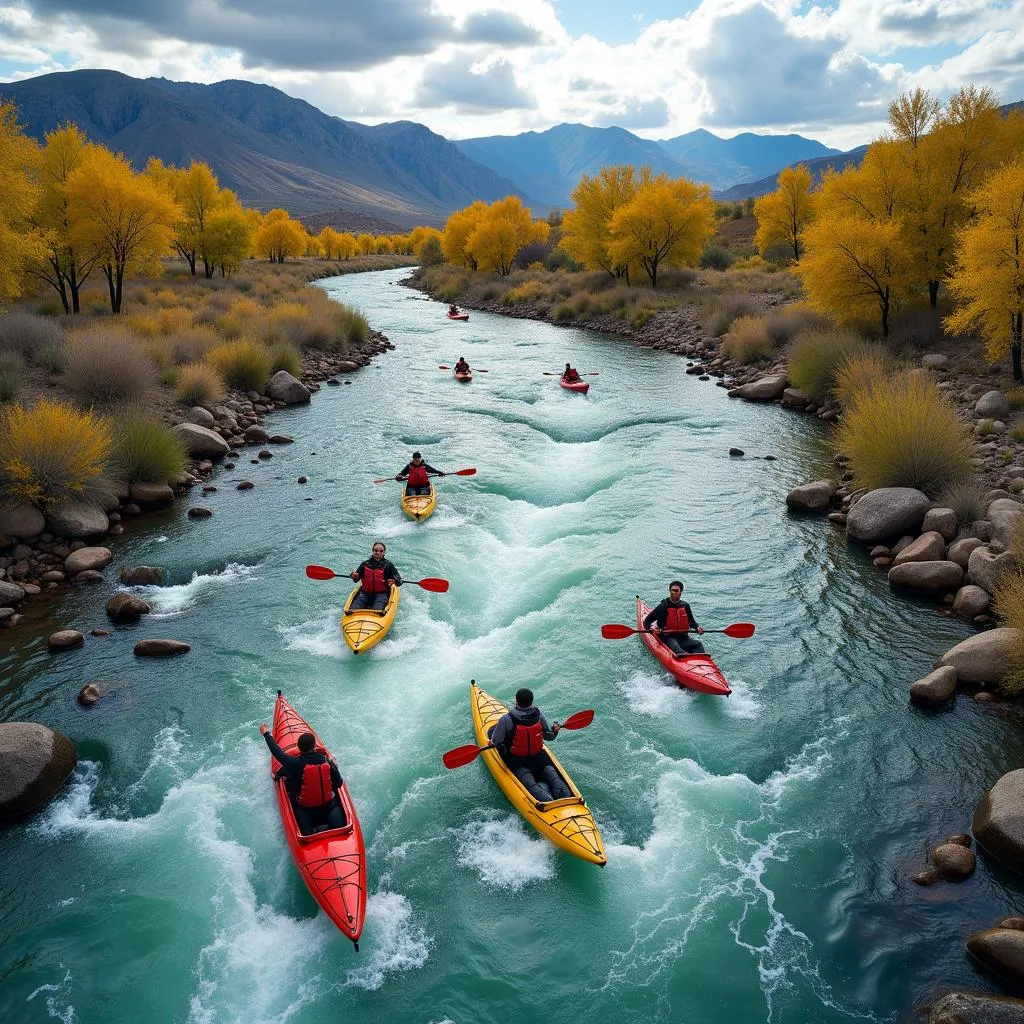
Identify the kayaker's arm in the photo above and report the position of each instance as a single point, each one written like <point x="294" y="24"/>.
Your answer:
<point x="693" y="622"/>
<point x="285" y="760"/>
<point x="358" y="574"/>
<point x="549" y="732"/>
<point x="403" y="474"/>
<point x="656" y="616"/>
<point x="391" y="573"/>
<point x="499" y="734"/>
<point x="430" y="469"/>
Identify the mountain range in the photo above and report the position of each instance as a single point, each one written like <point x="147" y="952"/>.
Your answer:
<point x="275" y="150"/>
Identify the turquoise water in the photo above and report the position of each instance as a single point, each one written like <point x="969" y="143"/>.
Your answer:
<point x="759" y="847"/>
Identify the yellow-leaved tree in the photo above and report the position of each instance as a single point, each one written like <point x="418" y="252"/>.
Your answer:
<point x="227" y="234"/>
<point x="367" y="243"/>
<point x="667" y="223"/>
<point x="280" y="237"/>
<point x="586" y="229"/>
<point x="783" y="214"/>
<point x="328" y="243"/>
<point x="126" y="220"/>
<point x="459" y="226"/>
<point x="19" y="163"/>
<point x="347" y="245"/>
<point x="506" y="227"/>
<point x="988" y="277"/>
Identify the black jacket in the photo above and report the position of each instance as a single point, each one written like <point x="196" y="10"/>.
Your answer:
<point x="292" y="766"/>
<point x="390" y="572"/>
<point x="659" y="614"/>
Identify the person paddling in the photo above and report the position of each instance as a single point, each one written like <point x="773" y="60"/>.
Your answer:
<point x="416" y="474"/>
<point x="569" y="374"/>
<point x="312" y="780"/>
<point x="453" y="310"/>
<point x="377" y="575"/>
<point x="462" y="366"/>
<point x="519" y="736"/>
<point x="672" y="620"/>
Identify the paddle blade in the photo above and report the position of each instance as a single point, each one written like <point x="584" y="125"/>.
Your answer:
<point x="593" y="373"/>
<point x="740" y="630"/>
<point x="320" y="572"/>
<point x="433" y="584"/>
<point x="461" y="755"/>
<point x="444" y="367"/>
<point x="616" y="631"/>
<point x="465" y="472"/>
<point x="384" y="480"/>
<point x="580" y="720"/>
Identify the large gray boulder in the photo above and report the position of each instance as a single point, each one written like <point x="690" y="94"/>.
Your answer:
<point x="283" y="387"/>
<point x="941" y="520"/>
<point x="813" y="497"/>
<point x="21" y="521"/>
<point x="998" y="822"/>
<point x="927" y="577"/>
<point x="10" y="594"/>
<point x="78" y="519"/>
<point x="976" y="1008"/>
<point x="937" y="687"/>
<point x="766" y="389"/>
<point x="993" y="406"/>
<point x="201" y="417"/>
<point x="87" y="558"/>
<point x="987" y="569"/>
<point x="200" y="440"/>
<point x="886" y="512"/>
<point x="1005" y="515"/>
<point x="1001" y="951"/>
<point x="151" y="493"/>
<point x="37" y="762"/>
<point x="960" y="551"/>
<point x="929" y="547"/>
<point x="983" y="658"/>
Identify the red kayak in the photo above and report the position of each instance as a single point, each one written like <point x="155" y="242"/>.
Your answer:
<point x="464" y="377"/>
<point x="332" y="863"/>
<point x="693" y="671"/>
<point x="457" y="316"/>
<point x="575" y="385"/>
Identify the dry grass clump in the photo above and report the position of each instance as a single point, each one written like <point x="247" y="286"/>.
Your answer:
<point x="528" y="291"/>
<point x="785" y="324"/>
<point x="52" y="454"/>
<point x="285" y="357"/>
<point x="243" y="363"/>
<point x="190" y="346"/>
<point x="1008" y="604"/>
<point x="1015" y="398"/>
<point x="817" y="356"/>
<point x="724" y="309"/>
<point x="144" y="449"/>
<point x="903" y="433"/>
<point x="748" y="341"/>
<point x="105" y="365"/>
<point x="240" y="317"/>
<point x="11" y="368"/>
<point x="26" y="334"/>
<point x="199" y="384"/>
<point x="861" y="372"/>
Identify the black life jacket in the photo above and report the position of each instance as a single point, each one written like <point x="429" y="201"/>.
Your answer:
<point x="316" y="789"/>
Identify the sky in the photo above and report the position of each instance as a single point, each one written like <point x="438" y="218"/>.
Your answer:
<point x="467" y="68"/>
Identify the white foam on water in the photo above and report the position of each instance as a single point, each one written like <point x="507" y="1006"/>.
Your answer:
<point x="58" y="1004"/>
<point x="503" y="853"/>
<point x="170" y="601"/>
<point x="389" y="525"/>
<point x="742" y="703"/>
<point x="395" y="941"/>
<point x="653" y="696"/>
<point x="320" y="636"/>
<point x="164" y="761"/>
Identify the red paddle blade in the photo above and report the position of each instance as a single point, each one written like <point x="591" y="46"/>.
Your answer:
<point x="433" y="584"/>
<point x="580" y="720"/>
<point x="465" y="472"/>
<point x="461" y="755"/>
<point x="444" y="367"/>
<point x="616" y="631"/>
<point x="320" y="572"/>
<point x="384" y="480"/>
<point x="739" y="629"/>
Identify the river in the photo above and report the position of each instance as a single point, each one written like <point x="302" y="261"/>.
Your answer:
<point x="759" y="846"/>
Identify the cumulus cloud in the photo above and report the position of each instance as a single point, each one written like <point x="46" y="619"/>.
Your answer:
<point x="457" y="83"/>
<point x="500" y="28"/>
<point x="633" y="113"/>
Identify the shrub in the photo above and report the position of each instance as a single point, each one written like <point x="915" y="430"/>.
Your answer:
<point x="785" y="324"/>
<point x="966" y="497"/>
<point x="528" y="291"/>
<point x="355" y="326"/>
<point x="715" y="257"/>
<point x="285" y="357"/>
<point x="105" y="365"/>
<point x="190" y="346"/>
<point x="748" y="341"/>
<point x="26" y="333"/>
<point x="858" y="373"/>
<point x="143" y="325"/>
<point x="1017" y="433"/>
<point x="145" y="449"/>
<point x="243" y="364"/>
<point x="1009" y="606"/>
<point x="240" y="317"/>
<point x="564" y="311"/>
<point x="817" y="356"/>
<point x="985" y="427"/>
<point x="1015" y="398"/>
<point x="52" y="358"/>
<point x="903" y="433"/>
<point x="11" y="367"/>
<point x="718" y="317"/>
<point x="52" y="454"/>
<point x="199" y="384"/>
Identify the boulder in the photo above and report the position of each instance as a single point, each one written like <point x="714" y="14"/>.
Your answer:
<point x="971" y="601"/>
<point x="281" y="439"/>
<point x="976" y="1008"/>
<point x="992" y="406"/>
<point x="937" y="577"/>
<point x="886" y="512"/>
<point x="283" y="387"/>
<point x="1001" y="951"/>
<point x="89" y="695"/>
<point x="199" y="512"/>
<point x="983" y="658"/>
<point x="201" y="417"/>
<point x="122" y="607"/>
<point x="766" y="389"/>
<point x="813" y="497"/>
<point x="987" y="569"/>
<point x="201" y="440"/>
<point x="934" y="361"/>
<point x="151" y="493"/>
<point x="929" y="547"/>
<point x="998" y="822"/>
<point x="161" y="648"/>
<point x="937" y="687"/>
<point x="37" y="762"/>
<point x="1005" y="515"/>
<point x="941" y="520"/>
<point x="87" y="558"/>
<point x="960" y="551"/>
<point x="142" y="575"/>
<point x="256" y="434"/>
<point x="21" y="521"/>
<point x="65" y="639"/>
<point x="78" y="519"/>
<point x="954" y="862"/>
<point x="10" y="594"/>
<point x="793" y="398"/>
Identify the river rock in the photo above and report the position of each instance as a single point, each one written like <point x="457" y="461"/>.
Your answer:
<point x="201" y="440"/>
<point x="87" y="558"/>
<point x="971" y="601"/>
<point x="10" y="594"/>
<point x="78" y="519"/>
<point x="813" y="497"/>
<point x="976" y="1008"/>
<point x="929" y="547"/>
<point x="151" y="493"/>
<point x="886" y="512"/>
<point x="793" y="398"/>
<point x="992" y="406"/>
<point x="283" y="387"/>
<point x="765" y="389"/>
<point x="1005" y="515"/>
<point x="199" y="512"/>
<point x="37" y="762"/>
<point x="21" y="521"/>
<point x="1001" y="951"/>
<point x="256" y="434"/>
<point x="960" y="551"/>
<point x="941" y="520"/>
<point x="954" y="862"/>
<point x="937" y="577"/>
<point x="1015" y="922"/>
<point x="201" y="417"/>
<point x="122" y="607"/>
<point x="161" y="648"/>
<point x="982" y="658"/>
<point x="280" y="439"/>
<point x="142" y="575"/>
<point x="89" y="695"/>
<point x="998" y="822"/>
<point x="937" y="687"/>
<point x="987" y="568"/>
<point x="65" y="639"/>
<point x="934" y="361"/>
<point x="245" y="485"/>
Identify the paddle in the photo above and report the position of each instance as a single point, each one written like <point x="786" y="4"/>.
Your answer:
<point x="459" y="472"/>
<point x="591" y="373"/>
<point x="475" y="369"/>
<point x="617" y="631"/>
<point x="463" y="755"/>
<point x="431" y="583"/>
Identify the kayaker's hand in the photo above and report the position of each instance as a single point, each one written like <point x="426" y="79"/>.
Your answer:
<point x="399" y="478"/>
<point x="700" y="630"/>
<point x="442" y="474"/>
<point x="555" y="728"/>
<point x="354" y="575"/>
<point x="263" y="729"/>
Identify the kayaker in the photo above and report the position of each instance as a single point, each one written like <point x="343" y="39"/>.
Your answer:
<point x="519" y="736"/>
<point x="569" y="374"/>
<point x="312" y="780"/>
<point x="417" y="474"/>
<point x="462" y="366"/>
<point x="672" y="620"/>
<point x="377" y="575"/>
<point x="453" y="310"/>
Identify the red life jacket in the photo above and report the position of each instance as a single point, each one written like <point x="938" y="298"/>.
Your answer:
<point x="676" y="619"/>
<point x="373" y="581"/>
<point x="418" y="476"/>
<point x="316" y="789"/>
<point x="527" y="740"/>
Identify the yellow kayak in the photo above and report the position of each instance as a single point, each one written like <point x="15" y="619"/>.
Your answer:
<point x="567" y="823"/>
<point x="363" y="628"/>
<point x="419" y="506"/>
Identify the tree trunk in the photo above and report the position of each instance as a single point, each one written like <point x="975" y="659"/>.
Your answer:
<point x="76" y="287"/>
<point x="885" y="315"/>
<point x="933" y="294"/>
<point x="1016" y="331"/>
<point x="59" y="282"/>
<point x="108" y="273"/>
